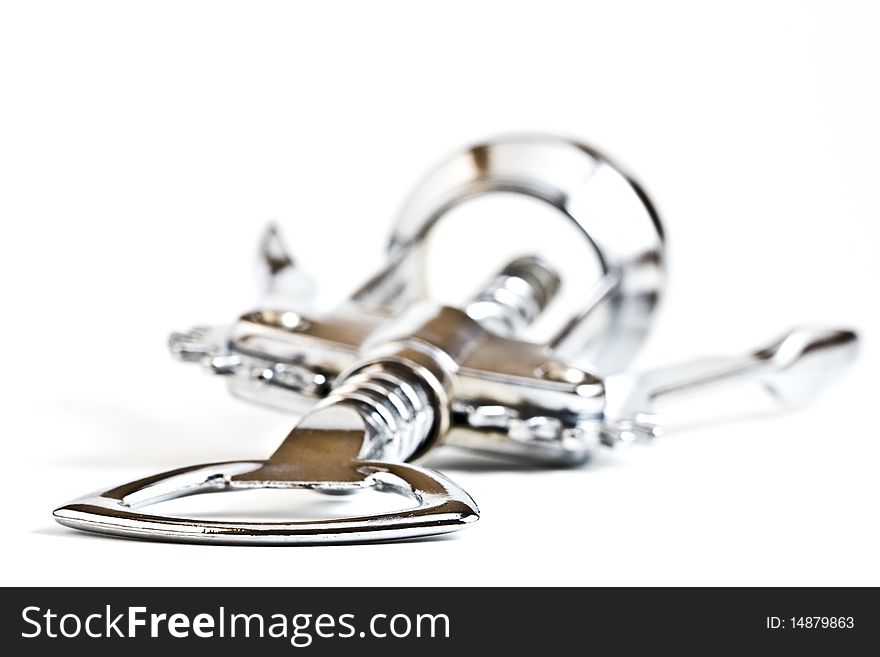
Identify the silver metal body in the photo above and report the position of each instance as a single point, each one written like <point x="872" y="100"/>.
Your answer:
<point x="390" y="375"/>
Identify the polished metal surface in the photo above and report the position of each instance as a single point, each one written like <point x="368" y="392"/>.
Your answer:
<point x="617" y="222"/>
<point x="793" y="370"/>
<point x="390" y="375"/>
<point x="441" y="507"/>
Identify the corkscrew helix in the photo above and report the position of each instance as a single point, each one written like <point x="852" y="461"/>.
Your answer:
<point x="389" y="375"/>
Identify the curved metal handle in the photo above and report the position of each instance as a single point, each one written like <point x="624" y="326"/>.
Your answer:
<point x="441" y="507"/>
<point x="613" y="213"/>
<point x="349" y="442"/>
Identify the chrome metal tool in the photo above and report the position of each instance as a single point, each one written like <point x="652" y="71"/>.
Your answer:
<point x="390" y="375"/>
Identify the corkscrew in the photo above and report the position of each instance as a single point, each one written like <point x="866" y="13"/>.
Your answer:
<point x="390" y="375"/>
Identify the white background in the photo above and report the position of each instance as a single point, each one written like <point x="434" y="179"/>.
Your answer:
<point x="143" y="146"/>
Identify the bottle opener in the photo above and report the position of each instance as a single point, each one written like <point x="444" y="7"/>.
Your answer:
<point x="389" y="375"/>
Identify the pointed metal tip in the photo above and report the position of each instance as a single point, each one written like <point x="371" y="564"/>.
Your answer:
<point x="273" y="253"/>
<point x="68" y="515"/>
<point x="281" y="282"/>
<point x="468" y="513"/>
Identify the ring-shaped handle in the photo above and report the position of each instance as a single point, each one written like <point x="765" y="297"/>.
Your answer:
<point x="441" y="507"/>
<point x="614" y="214"/>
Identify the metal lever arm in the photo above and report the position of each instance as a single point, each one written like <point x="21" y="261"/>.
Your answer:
<point x="793" y="369"/>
